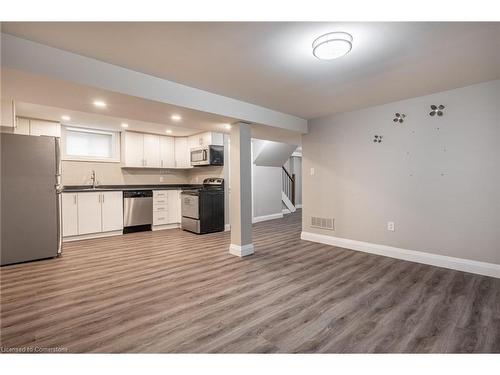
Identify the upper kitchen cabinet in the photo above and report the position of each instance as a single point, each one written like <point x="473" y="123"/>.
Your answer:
<point x="42" y="127"/>
<point x="36" y="127"/>
<point x="8" y="113"/>
<point x="140" y="150"/>
<point x="151" y="151"/>
<point x="182" y="155"/>
<point x="132" y="149"/>
<point x="167" y="152"/>
<point x="206" y="139"/>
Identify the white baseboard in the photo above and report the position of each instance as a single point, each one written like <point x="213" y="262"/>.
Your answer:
<point x="460" y="264"/>
<point x="241" y="251"/>
<point x="286" y="211"/>
<point x="298" y="206"/>
<point x="227" y="227"/>
<point x="93" y="235"/>
<point x="258" y="219"/>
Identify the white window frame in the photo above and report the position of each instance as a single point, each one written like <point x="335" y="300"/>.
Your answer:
<point x="115" y="141"/>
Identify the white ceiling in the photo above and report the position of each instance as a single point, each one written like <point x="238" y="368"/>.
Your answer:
<point x="270" y="64"/>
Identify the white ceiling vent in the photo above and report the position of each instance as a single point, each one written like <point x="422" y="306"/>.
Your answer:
<point x="323" y="222"/>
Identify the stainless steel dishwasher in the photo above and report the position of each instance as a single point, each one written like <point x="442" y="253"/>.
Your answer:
<point x="137" y="210"/>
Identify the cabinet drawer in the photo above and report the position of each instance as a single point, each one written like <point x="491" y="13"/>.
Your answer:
<point x="160" y="201"/>
<point x="160" y="218"/>
<point x="160" y="194"/>
<point x="160" y="208"/>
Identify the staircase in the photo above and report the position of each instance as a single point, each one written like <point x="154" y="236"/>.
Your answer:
<point x="288" y="190"/>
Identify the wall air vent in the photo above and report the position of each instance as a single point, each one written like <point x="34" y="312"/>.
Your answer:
<point x="322" y="222"/>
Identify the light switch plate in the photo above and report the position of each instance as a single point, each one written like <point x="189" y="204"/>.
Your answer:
<point x="312" y="171"/>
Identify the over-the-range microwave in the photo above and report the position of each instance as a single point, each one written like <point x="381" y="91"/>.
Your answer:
<point x="207" y="155"/>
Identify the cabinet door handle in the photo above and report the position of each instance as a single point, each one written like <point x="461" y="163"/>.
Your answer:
<point x="102" y="197"/>
<point x="74" y="199"/>
<point x="99" y="198"/>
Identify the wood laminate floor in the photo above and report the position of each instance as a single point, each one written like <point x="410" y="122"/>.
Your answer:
<point x="172" y="291"/>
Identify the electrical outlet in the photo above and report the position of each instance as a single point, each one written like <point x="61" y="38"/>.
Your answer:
<point x="162" y="178"/>
<point x="390" y="226"/>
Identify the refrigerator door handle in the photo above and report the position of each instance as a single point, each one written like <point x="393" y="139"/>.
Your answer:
<point x="58" y="195"/>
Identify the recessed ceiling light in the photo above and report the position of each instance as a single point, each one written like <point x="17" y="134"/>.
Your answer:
<point x="168" y="131"/>
<point x="175" y="117"/>
<point x="99" y="103"/>
<point x="332" y="45"/>
<point x="124" y="125"/>
<point x="66" y="118"/>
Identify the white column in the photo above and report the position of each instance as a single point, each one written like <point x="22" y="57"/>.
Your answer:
<point x="240" y="202"/>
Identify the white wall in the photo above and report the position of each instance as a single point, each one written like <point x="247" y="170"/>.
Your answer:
<point x="437" y="178"/>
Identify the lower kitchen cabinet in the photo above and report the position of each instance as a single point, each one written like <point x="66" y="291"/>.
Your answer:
<point x="69" y="202"/>
<point x="91" y="213"/>
<point x="166" y="207"/>
<point x="112" y="211"/>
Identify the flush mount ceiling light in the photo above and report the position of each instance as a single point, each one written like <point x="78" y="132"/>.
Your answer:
<point x="168" y="131"/>
<point x="124" y="125"/>
<point x="99" y="103"/>
<point x="65" y="118"/>
<point x="175" y="117"/>
<point x="332" y="45"/>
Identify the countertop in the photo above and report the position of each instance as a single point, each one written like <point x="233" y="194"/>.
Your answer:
<point x="88" y="188"/>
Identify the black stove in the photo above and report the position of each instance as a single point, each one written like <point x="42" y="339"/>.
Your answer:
<point x="203" y="208"/>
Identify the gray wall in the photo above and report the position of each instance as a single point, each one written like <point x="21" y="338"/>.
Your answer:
<point x="437" y="178"/>
<point x="266" y="186"/>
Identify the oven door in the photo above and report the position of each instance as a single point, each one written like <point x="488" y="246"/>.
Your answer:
<point x="200" y="156"/>
<point x="189" y="206"/>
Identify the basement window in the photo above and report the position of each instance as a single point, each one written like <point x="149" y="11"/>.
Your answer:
<point x="83" y="144"/>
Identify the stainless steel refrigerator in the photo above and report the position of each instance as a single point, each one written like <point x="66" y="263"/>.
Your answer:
<point x="30" y="198"/>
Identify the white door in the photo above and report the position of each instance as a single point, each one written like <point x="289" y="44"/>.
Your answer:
<point x="112" y="211"/>
<point x="69" y="203"/>
<point x="89" y="213"/>
<point x="152" y="150"/>
<point x="41" y="127"/>
<point x="167" y="152"/>
<point x="181" y="152"/>
<point x="134" y="149"/>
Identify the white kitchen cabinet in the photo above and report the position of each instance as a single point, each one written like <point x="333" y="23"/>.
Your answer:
<point x="167" y="152"/>
<point x="174" y="206"/>
<point x="42" y="127"/>
<point x="133" y="149"/>
<point x="205" y="139"/>
<point x="182" y="154"/>
<point x="166" y="207"/>
<point x="151" y="151"/>
<point x="89" y="212"/>
<point x="22" y="126"/>
<point x="35" y="127"/>
<point x="8" y="113"/>
<point x="69" y="202"/>
<point x="112" y="211"/>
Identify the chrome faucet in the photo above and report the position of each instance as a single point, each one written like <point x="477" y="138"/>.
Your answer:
<point x="94" y="181"/>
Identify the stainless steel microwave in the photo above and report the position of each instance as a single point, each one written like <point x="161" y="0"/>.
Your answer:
<point x="207" y="155"/>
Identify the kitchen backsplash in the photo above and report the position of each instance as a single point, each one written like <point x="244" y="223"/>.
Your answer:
<point x="197" y="175"/>
<point x="78" y="173"/>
